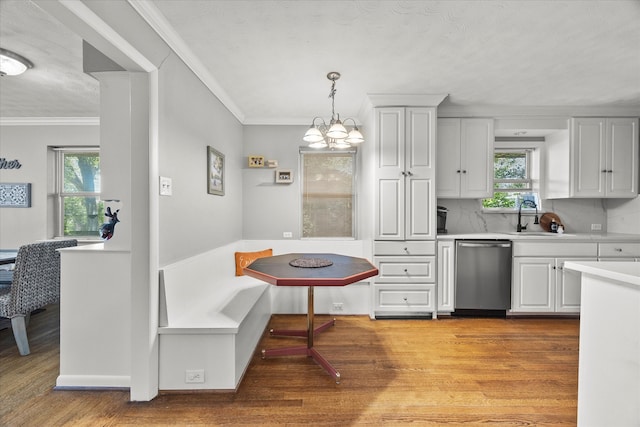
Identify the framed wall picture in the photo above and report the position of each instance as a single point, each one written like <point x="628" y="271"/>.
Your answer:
<point x="15" y="195"/>
<point x="284" y="176"/>
<point x="215" y="172"/>
<point x="256" y="161"/>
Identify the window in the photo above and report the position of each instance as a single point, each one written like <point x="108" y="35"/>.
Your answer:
<point x="79" y="210"/>
<point x="328" y="194"/>
<point x="512" y="179"/>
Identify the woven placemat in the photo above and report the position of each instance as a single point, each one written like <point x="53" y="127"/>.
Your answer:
<point x="310" y="262"/>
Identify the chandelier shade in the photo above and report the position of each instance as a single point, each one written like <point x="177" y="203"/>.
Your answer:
<point x="335" y="134"/>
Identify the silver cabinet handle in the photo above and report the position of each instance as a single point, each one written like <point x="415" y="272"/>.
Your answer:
<point x="617" y="249"/>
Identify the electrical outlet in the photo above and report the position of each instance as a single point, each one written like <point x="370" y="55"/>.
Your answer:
<point x="194" y="376"/>
<point x="287" y="234"/>
<point x="337" y="306"/>
<point x="596" y="227"/>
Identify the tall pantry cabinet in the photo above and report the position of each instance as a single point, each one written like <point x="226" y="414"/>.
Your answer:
<point x="405" y="211"/>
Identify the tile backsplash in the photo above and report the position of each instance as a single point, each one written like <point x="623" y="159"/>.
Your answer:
<point x="577" y="215"/>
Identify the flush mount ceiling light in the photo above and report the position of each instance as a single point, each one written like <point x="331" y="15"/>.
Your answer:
<point x="12" y="64"/>
<point x="334" y="135"/>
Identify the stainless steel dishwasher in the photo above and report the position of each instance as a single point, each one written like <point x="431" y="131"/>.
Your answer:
<point x="483" y="277"/>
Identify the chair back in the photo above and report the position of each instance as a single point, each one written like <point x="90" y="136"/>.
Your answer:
<point x="36" y="278"/>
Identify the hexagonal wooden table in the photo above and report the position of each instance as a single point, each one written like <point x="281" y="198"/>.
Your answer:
<point x="310" y="270"/>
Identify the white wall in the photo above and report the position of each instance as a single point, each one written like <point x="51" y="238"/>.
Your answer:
<point x="269" y="209"/>
<point x="29" y="145"/>
<point x="190" y="119"/>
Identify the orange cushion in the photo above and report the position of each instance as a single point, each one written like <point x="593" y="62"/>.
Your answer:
<point x="243" y="259"/>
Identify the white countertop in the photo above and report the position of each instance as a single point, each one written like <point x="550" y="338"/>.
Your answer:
<point x="589" y="237"/>
<point x="625" y="272"/>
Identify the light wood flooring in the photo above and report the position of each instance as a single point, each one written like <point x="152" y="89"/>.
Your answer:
<point x="446" y="372"/>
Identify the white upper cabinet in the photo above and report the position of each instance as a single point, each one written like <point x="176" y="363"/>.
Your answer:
<point x="465" y="158"/>
<point x="603" y="159"/>
<point x="405" y="172"/>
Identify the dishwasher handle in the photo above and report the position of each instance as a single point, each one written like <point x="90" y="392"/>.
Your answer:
<point x="484" y="245"/>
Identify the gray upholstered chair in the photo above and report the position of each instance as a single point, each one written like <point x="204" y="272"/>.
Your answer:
<point x="36" y="283"/>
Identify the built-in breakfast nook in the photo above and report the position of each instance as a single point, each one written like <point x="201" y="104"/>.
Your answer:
<point x="240" y="212"/>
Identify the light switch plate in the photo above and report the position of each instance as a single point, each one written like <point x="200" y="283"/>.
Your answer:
<point x="166" y="188"/>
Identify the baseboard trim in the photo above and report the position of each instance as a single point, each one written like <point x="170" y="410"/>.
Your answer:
<point x="93" y="382"/>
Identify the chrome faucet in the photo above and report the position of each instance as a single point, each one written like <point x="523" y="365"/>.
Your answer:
<point x="531" y="204"/>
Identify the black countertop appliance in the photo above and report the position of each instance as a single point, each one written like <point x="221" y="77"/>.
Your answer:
<point x="442" y="219"/>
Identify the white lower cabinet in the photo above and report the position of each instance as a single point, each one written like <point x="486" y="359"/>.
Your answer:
<point x="542" y="285"/>
<point x="446" y="276"/>
<point x="568" y="286"/>
<point x="405" y="285"/>
<point x="618" y="251"/>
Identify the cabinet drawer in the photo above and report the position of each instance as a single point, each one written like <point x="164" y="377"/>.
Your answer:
<point x="416" y="269"/>
<point x="405" y="298"/>
<point x="404" y="248"/>
<point x="619" y="250"/>
<point x="555" y="249"/>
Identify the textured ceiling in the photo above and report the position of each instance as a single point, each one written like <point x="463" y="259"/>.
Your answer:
<point x="56" y="86"/>
<point x="271" y="57"/>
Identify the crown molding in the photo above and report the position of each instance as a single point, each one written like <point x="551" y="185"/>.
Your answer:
<point x="160" y="25"/>
<point x="536" y="111"/>
<point x="49" y="121"/>
<point x="374" y="100"/>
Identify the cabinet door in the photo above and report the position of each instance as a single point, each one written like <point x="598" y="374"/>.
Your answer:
<point x="420" y="198"/>
<point x="568" y="286"/>
<point x="622" y="157"/>
<point x="588" y="157"/>
<point x="445" y="275"/>
<point x="448" y="154"/>
<point x="390" y="164"/>
<point x="476" y="158"/>
<point x="533" y="285"/>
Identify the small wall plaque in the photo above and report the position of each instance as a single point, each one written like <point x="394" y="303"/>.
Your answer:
<point x="284" y="176"/>
<point x="15" y="195"/>
<point x="256" y="161"/>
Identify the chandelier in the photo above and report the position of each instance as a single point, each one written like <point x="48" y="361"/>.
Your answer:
<point x="335" y="134"/>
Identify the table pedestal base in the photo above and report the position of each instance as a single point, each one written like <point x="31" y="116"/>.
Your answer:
<point x="309" y="333"/>
<point x="304" y="351"/>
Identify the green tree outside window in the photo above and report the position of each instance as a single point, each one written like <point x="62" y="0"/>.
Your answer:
<point x="80" y="197"/>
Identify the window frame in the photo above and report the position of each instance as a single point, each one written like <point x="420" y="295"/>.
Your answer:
<point x="60" y="193"/>
<point x="353" y="151"/>
<point x="532" y="151"/>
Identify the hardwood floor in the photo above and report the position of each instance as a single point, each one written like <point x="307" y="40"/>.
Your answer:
<point x="450" y="372"/>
